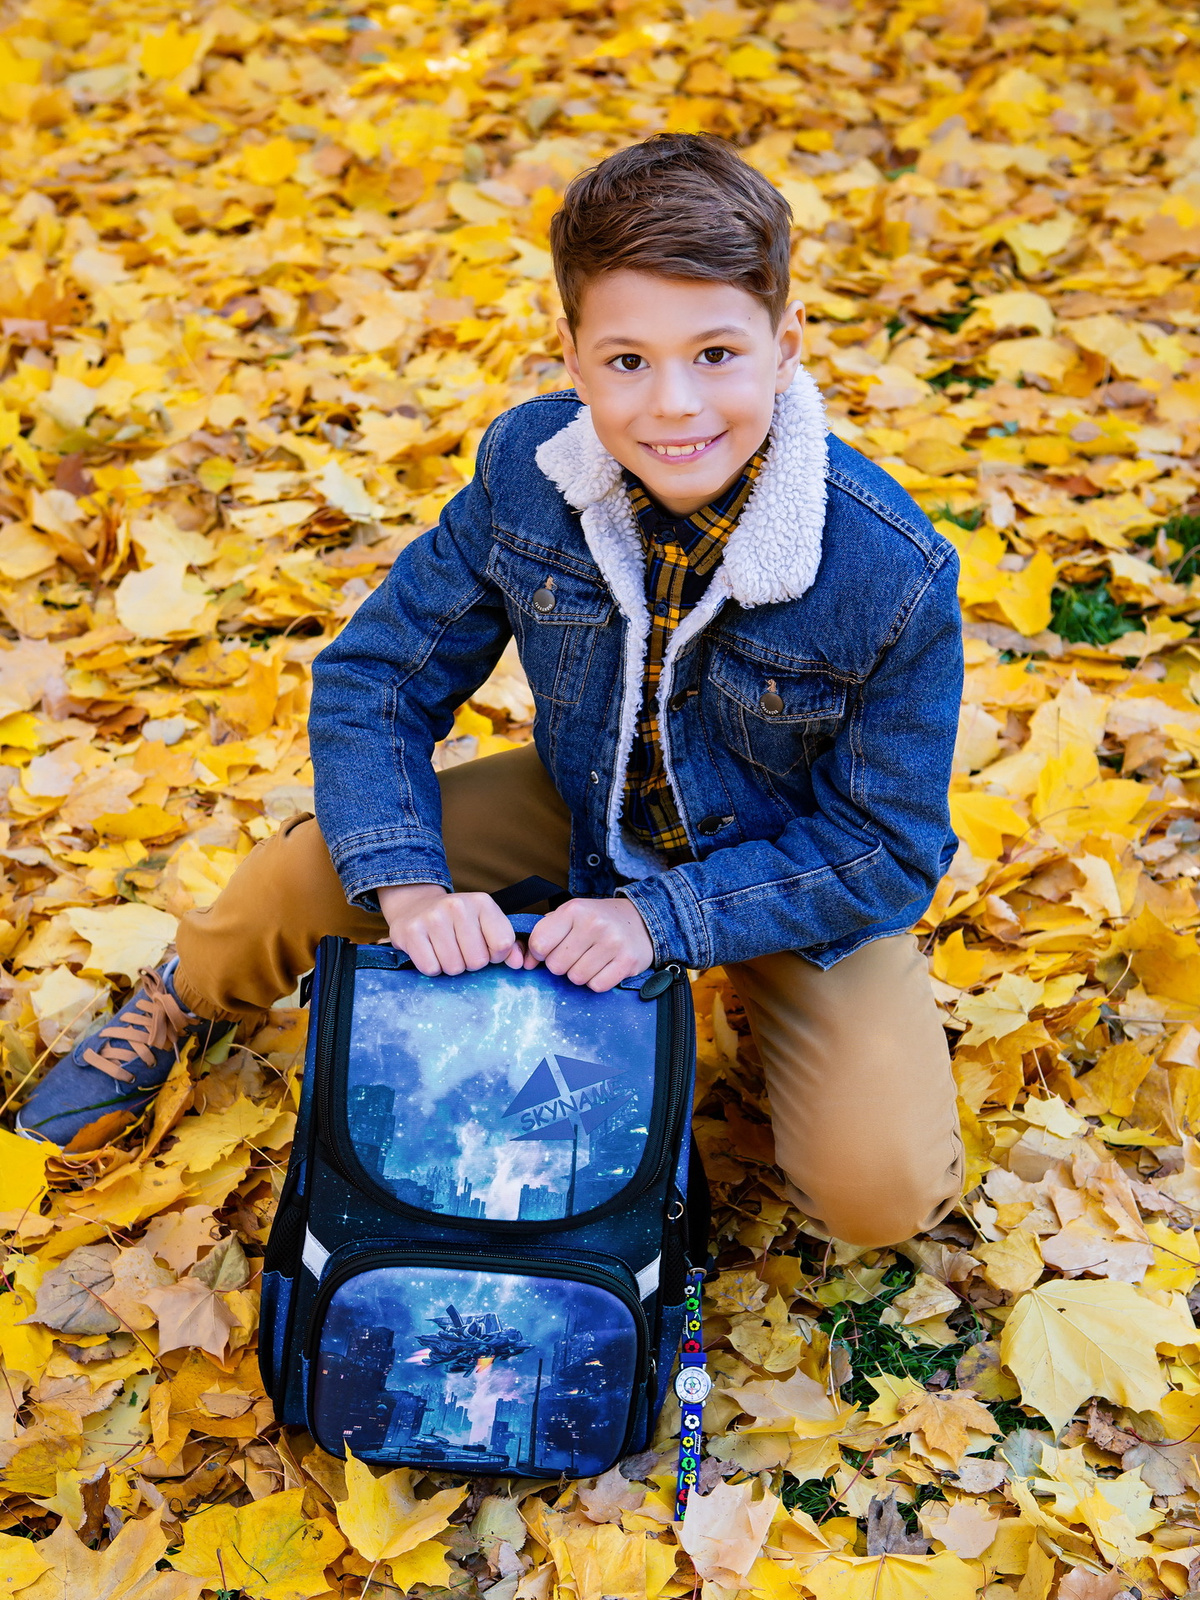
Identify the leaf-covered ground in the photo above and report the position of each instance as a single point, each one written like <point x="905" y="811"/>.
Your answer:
<point x="267" y="274"/>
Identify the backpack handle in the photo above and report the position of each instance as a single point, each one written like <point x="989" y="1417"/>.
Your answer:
<point x="520" y="896"/>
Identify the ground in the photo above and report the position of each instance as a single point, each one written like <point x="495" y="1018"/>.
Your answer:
<point x="267" y="274"/>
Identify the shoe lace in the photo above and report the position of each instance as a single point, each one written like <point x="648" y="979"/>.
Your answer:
<point x="154" y="1021"/>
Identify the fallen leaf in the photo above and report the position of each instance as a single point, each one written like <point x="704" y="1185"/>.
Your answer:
<point x="895" y="1577"/>
<point x="71" y="1297"/>
<point x="381" y="1516"/>
<point x="126" y="1569"/>
<point x="269" y="1549"/>
<point x="192" y="1312"/>
<point x="124" y="939"/>
<point x="1067" y="1342"/>
<point x="944" y="1418"/>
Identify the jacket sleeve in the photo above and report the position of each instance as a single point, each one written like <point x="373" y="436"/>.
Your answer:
<point x="387" y="689"/>
<point x="871" y="855"/>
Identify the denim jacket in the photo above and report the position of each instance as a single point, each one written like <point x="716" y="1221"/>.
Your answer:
<point x="808" y="703"/>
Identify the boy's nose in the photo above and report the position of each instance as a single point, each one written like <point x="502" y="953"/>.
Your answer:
<point x="675" y="393"/>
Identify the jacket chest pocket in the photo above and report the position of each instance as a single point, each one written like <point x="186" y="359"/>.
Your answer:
<point x="555" y="616"/>
<point x="775" y="719"/>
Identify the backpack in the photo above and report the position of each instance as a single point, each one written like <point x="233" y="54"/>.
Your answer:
<point x="479" y="1257"/>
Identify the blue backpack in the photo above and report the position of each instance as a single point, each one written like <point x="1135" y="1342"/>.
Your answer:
<point x="480" y="1254"/>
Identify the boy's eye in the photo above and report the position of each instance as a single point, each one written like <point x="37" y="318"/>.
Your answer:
<point x="628" y="363"/>
<point x="714" y="355"/>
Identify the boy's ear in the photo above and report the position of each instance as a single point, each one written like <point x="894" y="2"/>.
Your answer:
<point x="571" y="356"/>
<point x="790" y="343"/>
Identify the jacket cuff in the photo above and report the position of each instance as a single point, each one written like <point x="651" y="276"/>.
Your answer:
<point x="671" y="913"/>
<point x="367" y="862"/>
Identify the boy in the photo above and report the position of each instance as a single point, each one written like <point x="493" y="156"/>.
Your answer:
<point x="744" y="646"/>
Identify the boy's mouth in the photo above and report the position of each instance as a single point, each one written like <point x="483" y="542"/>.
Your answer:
<point x="684" y="450"/>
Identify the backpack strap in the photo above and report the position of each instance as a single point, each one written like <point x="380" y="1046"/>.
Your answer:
<point x="693" y="1385"/>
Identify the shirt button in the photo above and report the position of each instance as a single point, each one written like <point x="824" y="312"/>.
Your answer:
<point x="771" y="703"/>
<point x="593" y="861"/>
<point x="543" y="599"/>
<point x="714" y="824"/>
<point x="661" y="608"/>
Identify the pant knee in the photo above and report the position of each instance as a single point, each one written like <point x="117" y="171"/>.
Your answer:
<point x="884" y="1209"/>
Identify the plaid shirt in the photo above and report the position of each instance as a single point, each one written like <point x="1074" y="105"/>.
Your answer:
<point x="682" y="553"/>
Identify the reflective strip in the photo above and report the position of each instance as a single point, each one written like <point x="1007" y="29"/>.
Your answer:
<point x="315" y="1254"/>
<point x="647" y="1278"/>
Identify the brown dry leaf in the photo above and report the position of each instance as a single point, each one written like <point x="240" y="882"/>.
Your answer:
<point x="71" y="1297"/>
<point x="192" y="1311"/>
<point x="611" y="1494"/>
<point x="887" y="1533"/>
<point x="945" y="1419"/>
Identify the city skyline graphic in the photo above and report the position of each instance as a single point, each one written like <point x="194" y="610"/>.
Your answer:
<point x="490" y="1095"/>
<point x="553" y="1397"/>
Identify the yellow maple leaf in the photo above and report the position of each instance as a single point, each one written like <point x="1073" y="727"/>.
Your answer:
<point x="123" y="938"/>
<point x="426" y="1563"/>
<point x="22" y="1175"/>
<point x="1000" y="1010"/>
<point x="127" y="1566"/>
<point x="1066" y="1342"/>
<point x="895" y="1577"/>
<point x="983" y="821"/>
<point x="21" y="1561"/>
<point x="171" y="52"/>
<point x="269" y="1549"/>
<point x="1012" y="1264"/>
<point x="1176" y="1258"/>
<point x="382" y="1517"/>
<point x="270" y="163"/>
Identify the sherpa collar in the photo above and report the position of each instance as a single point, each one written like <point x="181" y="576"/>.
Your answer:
<point x="775" y="549"/>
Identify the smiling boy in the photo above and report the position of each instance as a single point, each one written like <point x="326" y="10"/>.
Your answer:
<point x="744" y="648"/>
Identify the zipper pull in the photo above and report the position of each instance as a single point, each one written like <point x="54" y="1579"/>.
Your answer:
<point x="660" y="981"/>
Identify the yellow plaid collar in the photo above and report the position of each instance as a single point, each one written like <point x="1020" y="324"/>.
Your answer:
<point x="701" y="534"/>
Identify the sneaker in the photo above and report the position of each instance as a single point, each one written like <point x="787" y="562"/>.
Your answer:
<point x="113" y="1074"/>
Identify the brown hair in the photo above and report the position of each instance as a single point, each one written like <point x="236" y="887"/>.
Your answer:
<point x="678" y="205"/>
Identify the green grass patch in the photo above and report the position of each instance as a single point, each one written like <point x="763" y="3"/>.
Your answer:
<point x="968" y="519"/>
<point x="1088" y="614"/>
<point x="973" y="380"/>
<point x="951" y="321"/>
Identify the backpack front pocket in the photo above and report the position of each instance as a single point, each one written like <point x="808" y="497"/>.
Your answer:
<point x="471" y="1363"/>
<point x="491" y="1097"/>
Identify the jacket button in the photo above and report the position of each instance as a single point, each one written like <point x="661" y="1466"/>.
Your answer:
<point x="543" y="599"/>
<point x="713" y="824"/>
<point x="771" y="703"/>
<point x="594" y="777"/>
<point x="593" y="861"/>
<point x="678" y="701"/>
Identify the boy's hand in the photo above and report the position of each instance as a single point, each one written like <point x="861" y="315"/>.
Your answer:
<point x="451" y="933"/>
<point x="592" y="942"/>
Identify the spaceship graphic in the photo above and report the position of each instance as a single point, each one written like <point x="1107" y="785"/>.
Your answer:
<point x="464" y="1340"/>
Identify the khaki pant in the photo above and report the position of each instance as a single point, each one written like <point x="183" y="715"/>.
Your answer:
<point x="856" y="1063"/>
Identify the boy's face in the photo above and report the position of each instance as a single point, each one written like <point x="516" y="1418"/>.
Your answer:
<point x="681" y="378"/>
